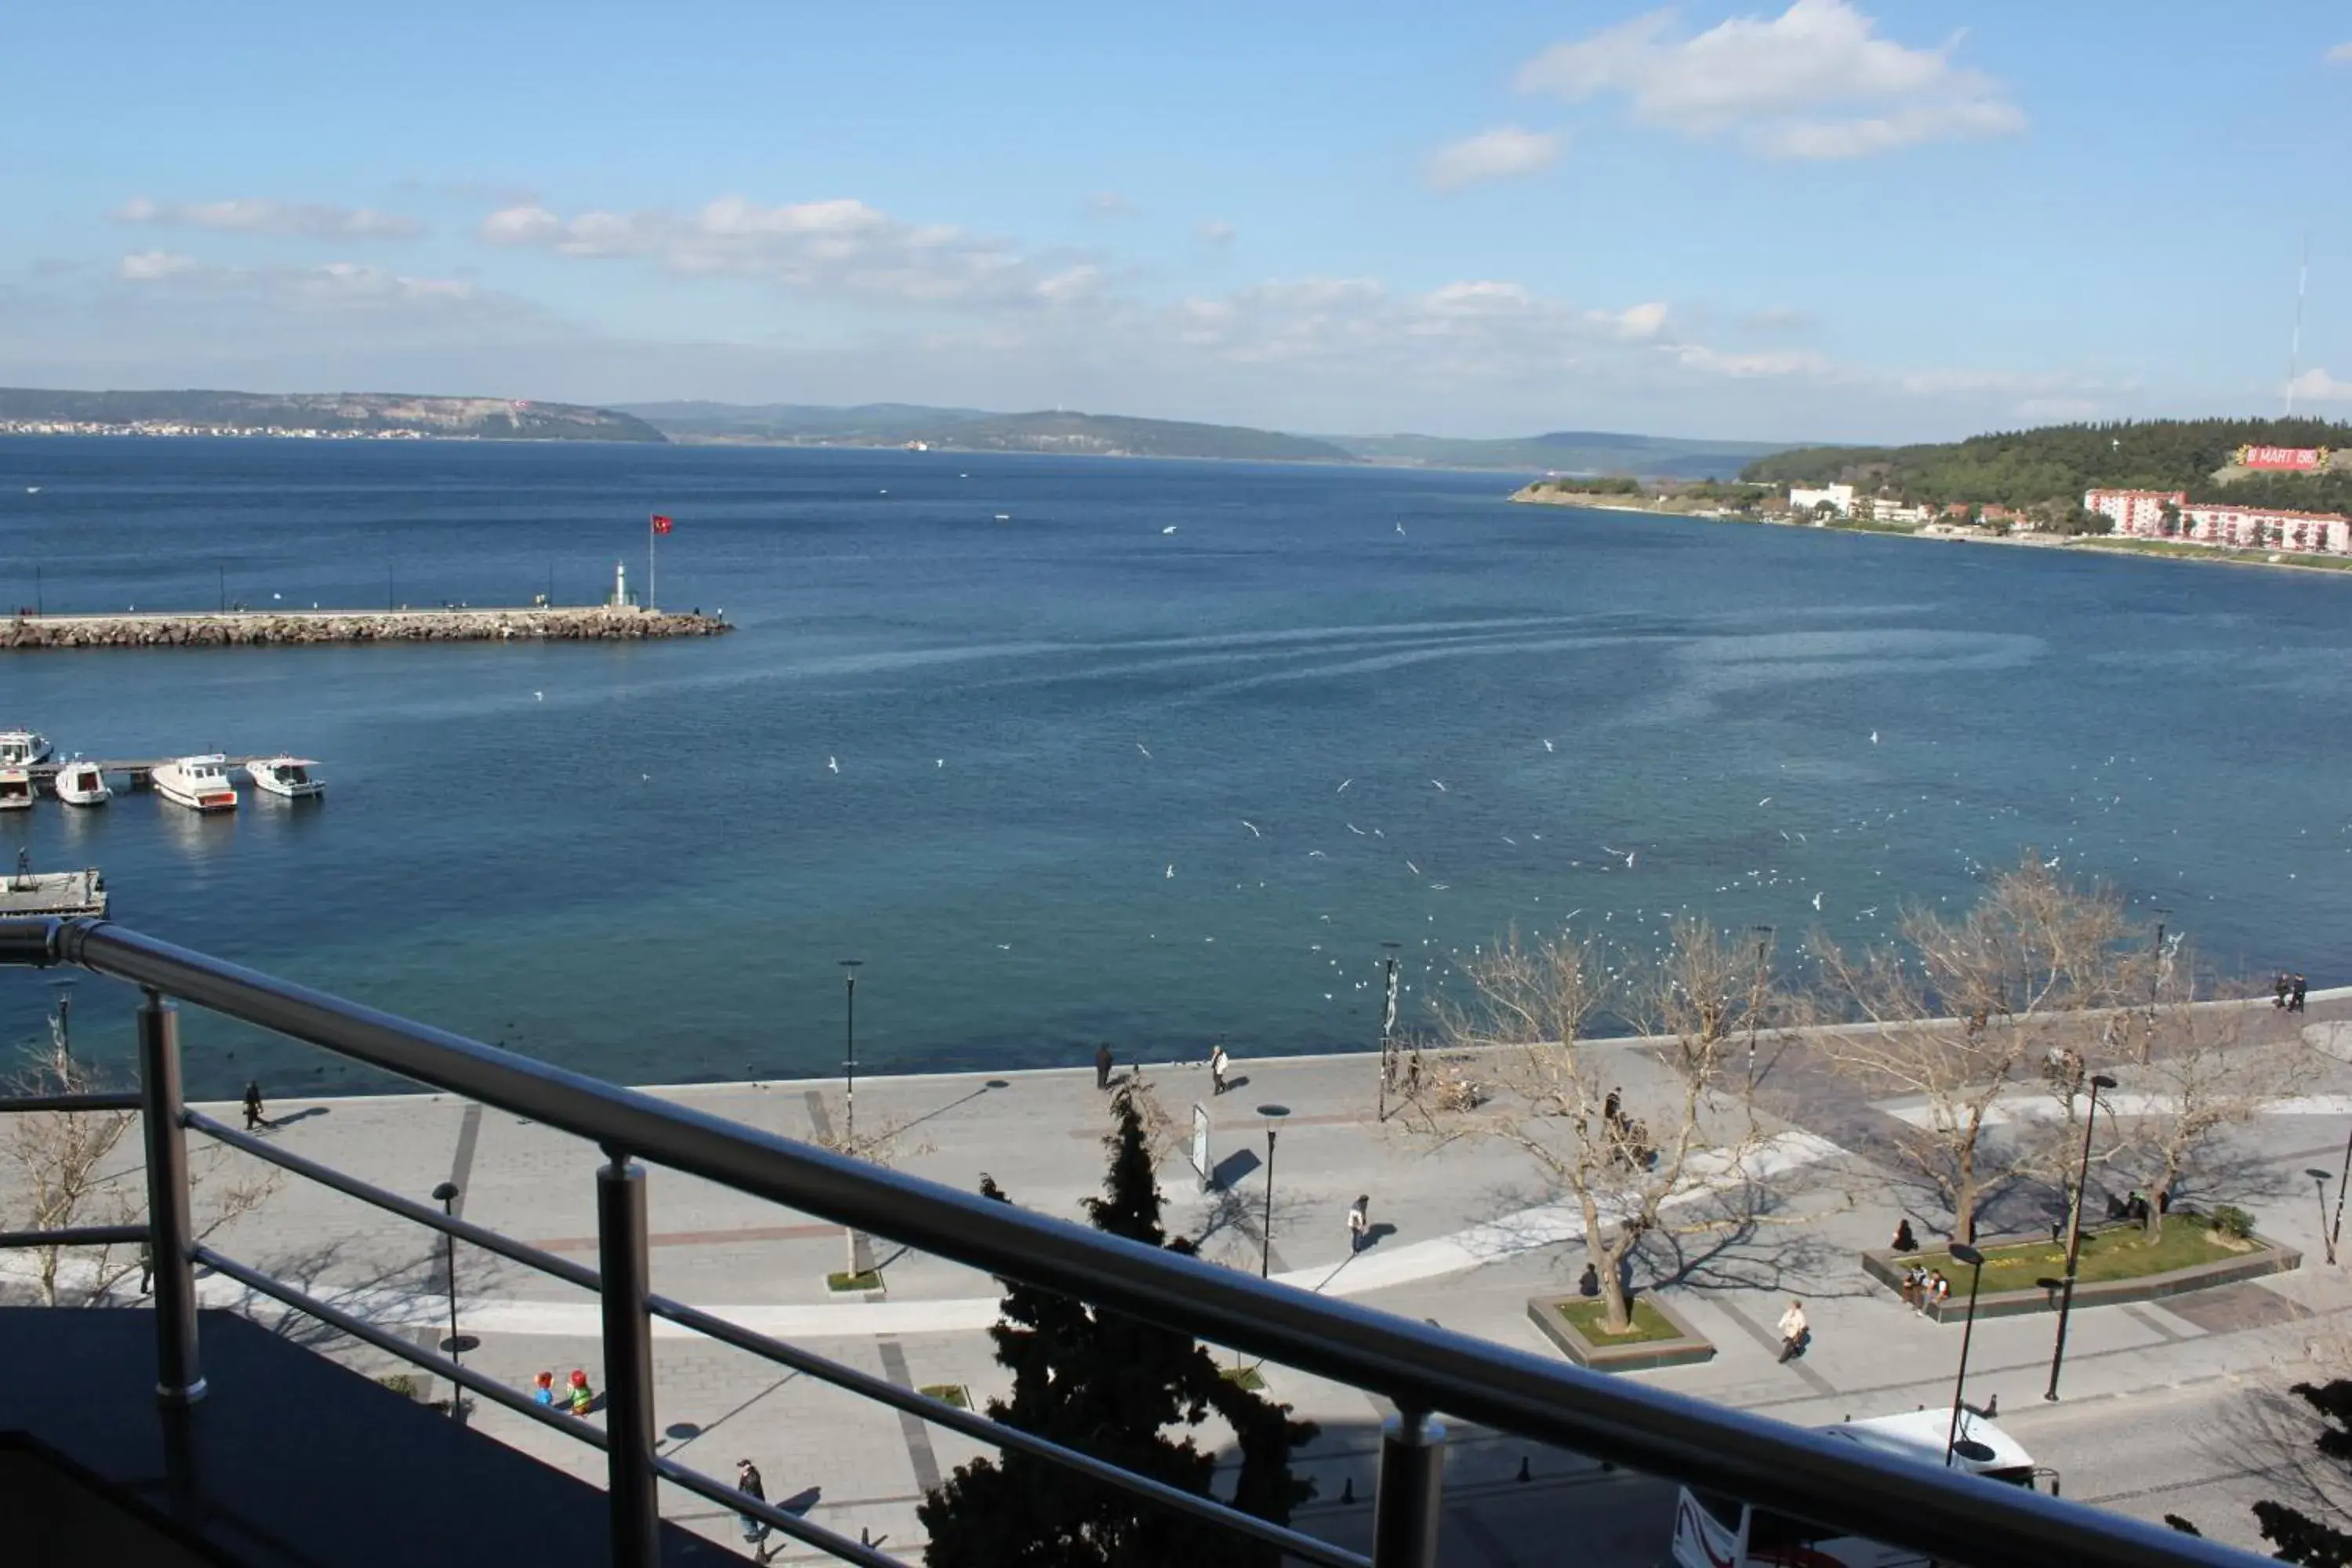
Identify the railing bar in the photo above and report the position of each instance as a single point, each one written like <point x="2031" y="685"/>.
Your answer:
<point x="488" y="1388"/>
<point x="1000" y="1435"/>
<point x="563" y="1269"/>
<point x="110" y="1100"/>
<point x="830" y="1542"/>
<point x="74" y="1236"/>
<point x="1810" y="1475"/>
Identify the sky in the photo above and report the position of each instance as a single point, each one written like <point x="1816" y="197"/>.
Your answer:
<point x="1818" y="220"/>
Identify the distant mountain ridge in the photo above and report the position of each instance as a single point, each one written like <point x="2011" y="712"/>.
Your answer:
<point x="341" y="412"/>
<point x="971" y="429"/>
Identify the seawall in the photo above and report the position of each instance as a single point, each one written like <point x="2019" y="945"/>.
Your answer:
<point x="273" y="628"/>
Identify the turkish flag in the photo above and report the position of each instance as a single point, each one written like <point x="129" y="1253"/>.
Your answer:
<point x="661" y="523"/>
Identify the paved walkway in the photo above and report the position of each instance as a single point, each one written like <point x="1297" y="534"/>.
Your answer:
<point x="1467" y="1237"/>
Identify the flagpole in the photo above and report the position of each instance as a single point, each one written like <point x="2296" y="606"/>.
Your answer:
<point x="652" y="534"/>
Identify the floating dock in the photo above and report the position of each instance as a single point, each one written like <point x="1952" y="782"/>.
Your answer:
<point x="295" y="629"/>
<point x="29" y="894"/>
<point x="139" y="771"/>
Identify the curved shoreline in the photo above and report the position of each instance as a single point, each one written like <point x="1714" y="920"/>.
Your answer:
<point x="2145" y="550"/>
<point x="297" y="628"/>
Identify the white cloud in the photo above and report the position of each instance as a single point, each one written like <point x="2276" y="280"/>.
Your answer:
<point x="1109" y="203"/>
<point x="841" y="247"/>
<point x="344" y="286"/>
<point x="1814" y="82"/>
<point x="307" y="220"/>
<point x="2340" y="55"/>
<point x="1214" y="231"/>
<point x="1502" y="153"/>
<point x="2319" y="386"/>
<point x="153" y="265"/>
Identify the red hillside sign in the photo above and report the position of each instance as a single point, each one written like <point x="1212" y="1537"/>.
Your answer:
<point x="2293" y="459"/>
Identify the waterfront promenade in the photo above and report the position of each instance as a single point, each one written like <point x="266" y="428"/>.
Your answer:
<point x="1465" y="1236"/>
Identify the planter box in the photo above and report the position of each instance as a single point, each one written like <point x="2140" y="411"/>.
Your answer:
<point x="2264" y="1257"/>
<point x="1688" y="1348"/>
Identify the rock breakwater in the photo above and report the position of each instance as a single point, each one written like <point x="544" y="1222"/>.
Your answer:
<point x="277" y="629"/>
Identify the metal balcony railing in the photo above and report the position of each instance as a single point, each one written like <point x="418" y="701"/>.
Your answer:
<point x="1948" y="1516"/>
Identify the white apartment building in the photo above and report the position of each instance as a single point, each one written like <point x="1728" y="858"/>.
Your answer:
<point x="1837" y="498"/>
<point x="2141" y="514"/>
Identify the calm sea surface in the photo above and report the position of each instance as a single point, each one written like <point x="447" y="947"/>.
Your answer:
<point x="1101" y="781"/>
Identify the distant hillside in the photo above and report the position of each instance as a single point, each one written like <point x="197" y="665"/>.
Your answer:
<point x="2057" y="464"/>
<point x="1567" y="451"/>
<point x="361" y="413"/>
<point x="975" y="430"/>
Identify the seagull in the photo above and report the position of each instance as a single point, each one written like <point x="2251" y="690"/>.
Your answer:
<point x="1172" y="869"/>
<point x="1170" y="529"/>
<point x="1343" y="785"/>
<point x="1138" y="746"/>
<point x="1511" y="841"/>
<point x="1766" y="801"/>
<point x="1004" y="516"/>
<point x="1412" y="868"/>
<point x="832" y="764"/>
<point x="939" y="761"/>
<point x="1316" y="855"/>
<point x="32" y="490"/>
<point x="1356" y="830"/>
<point x="1252" y="827"/>
<point x="1441" y="786"/>
<point x="539" y="697"/>
<point x="1873" y="737"/>
<point x="1548" y="746"/>
<point x="1399" y="525"/>
<point x="1817" y="903"/>
<point x="1004" y="947"/>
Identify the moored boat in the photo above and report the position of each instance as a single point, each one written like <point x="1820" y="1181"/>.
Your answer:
<point x="200" y="784"/>
<point x="288" y="776"/>
<point x="81" y="784"/>
<point x="23" y="748"/>
<point x="15" y="790"/>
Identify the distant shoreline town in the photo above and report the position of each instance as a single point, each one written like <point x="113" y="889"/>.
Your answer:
<point x="162" y="427"/>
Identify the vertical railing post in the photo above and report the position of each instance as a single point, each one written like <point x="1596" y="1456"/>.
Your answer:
<point x="1412" y="1491"/>
<point x="171" y="1238"/>
<point x="628" y="1362"/>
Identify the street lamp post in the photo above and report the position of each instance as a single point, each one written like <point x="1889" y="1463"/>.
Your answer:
<point x="2319" y="1178"/>
<point x="2336" y="1231"/>
<point x="2074" y="1236"/>
<point x="850" y="967"/>
<point x="1755" y="989"/>
<point x="1963" y="1253"/>
<point x="1273" y="1114"/>
<point x="1387" y="1022"/>
<point x="447" y="1193"/>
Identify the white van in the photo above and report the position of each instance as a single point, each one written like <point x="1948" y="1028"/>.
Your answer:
<point x="1712" y="1531"/>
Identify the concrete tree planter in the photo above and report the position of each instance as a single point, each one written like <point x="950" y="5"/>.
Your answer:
<point x="2262" y="1257"/>
<point x="1689" y="1347"/>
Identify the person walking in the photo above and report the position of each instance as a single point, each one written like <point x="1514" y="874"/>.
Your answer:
<point x="755" y="1529"/>
<point x="1360" y="1220"/>
<point x="252" y="1117"/>
<point x="1102" y="1064"/>
<point x="1794" y="1332"/>
<point x="1218" y="1063"/>
<point x="2301" y="989"/>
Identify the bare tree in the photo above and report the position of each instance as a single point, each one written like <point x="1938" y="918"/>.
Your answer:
<point x="882" y="1141"/>
<point x="67" y="1173"/>
<point x="1960" y="1011"/>
<point x="1631" y="1165"/>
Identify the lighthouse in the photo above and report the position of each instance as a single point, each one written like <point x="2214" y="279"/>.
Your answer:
<point x="620" y="600"/>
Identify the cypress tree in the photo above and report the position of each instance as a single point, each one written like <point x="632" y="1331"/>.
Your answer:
<point x="1110" y="1386"/>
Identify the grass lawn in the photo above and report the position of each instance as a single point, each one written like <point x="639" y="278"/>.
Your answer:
<point x="1246" y="1378"/>
<point x="954" y="1393"/>
<point x="1649" y="1323"/>
<point x="2257" y="557"/>
<point x="2118" y="1252"/>
<point x="869" y="1280"/>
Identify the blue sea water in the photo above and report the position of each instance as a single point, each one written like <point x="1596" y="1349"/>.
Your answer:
<point x="1099" y="781"/>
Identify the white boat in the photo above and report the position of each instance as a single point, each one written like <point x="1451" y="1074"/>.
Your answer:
<point x="15" y="790"/>
<point x="288" y="776"/>
<point x="23" y="748"/>
<point x="81" y="784"/>
<point x="200" y="784"/>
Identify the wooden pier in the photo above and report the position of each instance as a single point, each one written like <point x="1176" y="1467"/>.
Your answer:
<point x="138" y="771"/>
<point x="28" y="894"/>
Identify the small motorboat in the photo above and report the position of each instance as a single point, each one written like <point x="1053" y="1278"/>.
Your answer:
<point x="15" y="790"/>
<point x="23" y="748"/>
<point x="288" y="776"/>
<point x="81" y="784"/>
<point x="200" y="784"/>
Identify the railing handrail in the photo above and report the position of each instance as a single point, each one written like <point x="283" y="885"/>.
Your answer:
<point x="1945" y="1514"/>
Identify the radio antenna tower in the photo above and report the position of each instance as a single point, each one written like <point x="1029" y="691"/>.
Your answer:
<point x="2294" y="344"/>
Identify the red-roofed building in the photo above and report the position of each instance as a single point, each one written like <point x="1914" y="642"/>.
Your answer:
<point x="2170" y="514"/>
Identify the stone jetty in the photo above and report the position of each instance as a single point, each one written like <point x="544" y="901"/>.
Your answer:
<point x="274" y="628"/>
